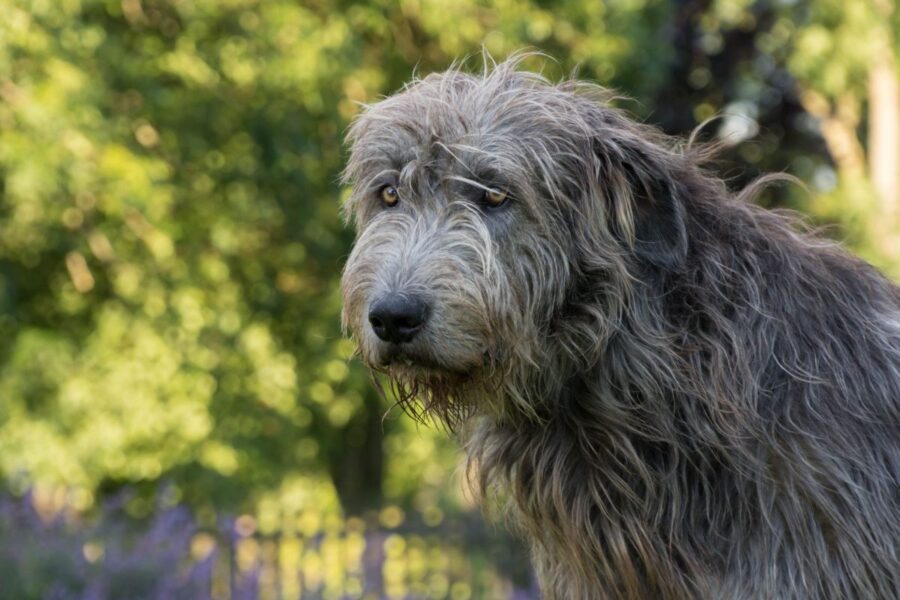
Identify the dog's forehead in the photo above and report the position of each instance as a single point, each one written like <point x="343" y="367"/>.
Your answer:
<point x="504" y="127"/>
<point x="441" y="126"/>
<point x="407" y="127"/>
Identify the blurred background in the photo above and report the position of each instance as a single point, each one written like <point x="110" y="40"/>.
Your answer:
<point x="179" y="417"/>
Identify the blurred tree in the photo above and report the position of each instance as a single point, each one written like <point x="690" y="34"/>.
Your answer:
<point x="170" y="243"/>
<point x="846" y="62"/>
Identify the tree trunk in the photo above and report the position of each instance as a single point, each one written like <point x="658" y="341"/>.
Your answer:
<point x="838" y="126"/>
<point x="884" y="136"/>
<point x="357" y="469"/>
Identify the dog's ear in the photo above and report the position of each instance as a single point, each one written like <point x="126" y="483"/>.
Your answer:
<point x="648" y="203"/>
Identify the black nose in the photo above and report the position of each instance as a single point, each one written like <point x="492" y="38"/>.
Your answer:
<point x="398" y="317"/>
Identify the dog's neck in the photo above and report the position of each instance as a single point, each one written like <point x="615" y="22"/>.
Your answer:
<point x="596" y="488"/>
<point x="598" y="477"/>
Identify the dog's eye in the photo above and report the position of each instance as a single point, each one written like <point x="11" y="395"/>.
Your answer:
<point x="495" y="198"/>
<point x="389" y="195"/>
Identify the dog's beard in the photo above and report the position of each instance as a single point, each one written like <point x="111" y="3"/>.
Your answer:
<point x="443" y="395"/>
<point x="438" y="383"/>
<point x="429" y="394"/>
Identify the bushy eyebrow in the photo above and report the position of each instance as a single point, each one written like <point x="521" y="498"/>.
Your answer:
<point x="478" y="165"/>
<point x="381" y="177"/>
<point x="472" y="182"/>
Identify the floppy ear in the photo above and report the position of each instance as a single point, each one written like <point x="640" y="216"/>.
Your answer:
<point x="648" y="206"/>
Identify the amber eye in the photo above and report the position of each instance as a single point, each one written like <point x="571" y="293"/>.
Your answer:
<point x="389" y="195"/>
<point x="495" y="197"/>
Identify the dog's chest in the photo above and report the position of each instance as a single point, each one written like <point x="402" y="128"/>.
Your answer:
<point x="582" y="516"/>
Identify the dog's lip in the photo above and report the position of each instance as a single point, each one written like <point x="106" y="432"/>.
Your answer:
<point x="400" y="354"/>
<point x="403" y="358"/>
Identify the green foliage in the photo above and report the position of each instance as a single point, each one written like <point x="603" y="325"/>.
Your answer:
<point x="170" y="241"/>
<point x="836" y="48"/>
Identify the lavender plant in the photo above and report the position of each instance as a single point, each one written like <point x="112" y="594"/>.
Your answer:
<point x="64" y="558"/>
<point x="169" y="556"/>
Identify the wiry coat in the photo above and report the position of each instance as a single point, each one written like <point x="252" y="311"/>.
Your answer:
<point x="676" y="393"/>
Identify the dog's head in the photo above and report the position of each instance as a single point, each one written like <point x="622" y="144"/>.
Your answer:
<point x="493" y="212"/>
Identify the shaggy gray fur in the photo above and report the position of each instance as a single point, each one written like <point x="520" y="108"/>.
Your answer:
<point x="674" y="392"/>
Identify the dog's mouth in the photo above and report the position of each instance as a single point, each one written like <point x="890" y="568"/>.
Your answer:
<point x="430" y="389"/>
<point x="398" y="357"/>
<point x="406" y="362"/>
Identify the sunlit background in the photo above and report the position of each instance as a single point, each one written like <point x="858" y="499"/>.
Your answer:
<point x="179" y="417"/>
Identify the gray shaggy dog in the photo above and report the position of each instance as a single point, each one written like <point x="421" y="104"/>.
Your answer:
<point x="672" y="392"/>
